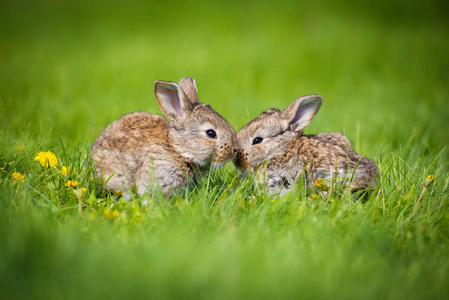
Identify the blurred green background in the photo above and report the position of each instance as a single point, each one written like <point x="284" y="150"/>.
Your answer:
<point x="75" y="66"/>
<point x="70" y="68"/>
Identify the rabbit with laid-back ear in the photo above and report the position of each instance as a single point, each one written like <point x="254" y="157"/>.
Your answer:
<point x="275" y="148"/>
<point x="142" y="151"/>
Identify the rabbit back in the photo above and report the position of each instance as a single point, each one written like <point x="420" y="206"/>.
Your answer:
<point x="328" y="155"/>
<point x="135" y="151"/>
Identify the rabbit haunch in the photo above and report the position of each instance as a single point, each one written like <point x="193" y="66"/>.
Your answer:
<point x="274" y="146"/>
<point x="145" y="151"/>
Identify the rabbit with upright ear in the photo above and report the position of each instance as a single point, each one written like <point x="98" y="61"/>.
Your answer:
<point x="275" y="148"/>
<point x="144" y="152"/>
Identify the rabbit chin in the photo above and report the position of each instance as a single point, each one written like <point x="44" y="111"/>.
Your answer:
<point x="242" y="170"/>
<point x="219" y="162"/>
<point x="240" y="164"/>
<point x="216" y="165"/>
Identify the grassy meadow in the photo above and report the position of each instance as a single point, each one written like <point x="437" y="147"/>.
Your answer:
<point x="70" y="68"/>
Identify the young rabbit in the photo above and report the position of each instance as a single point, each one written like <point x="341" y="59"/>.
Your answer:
<point x="274" y="146"/>
<point x="145" y="151"/>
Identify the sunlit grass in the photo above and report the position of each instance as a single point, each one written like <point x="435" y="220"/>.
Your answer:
<point x="227" y="239"/>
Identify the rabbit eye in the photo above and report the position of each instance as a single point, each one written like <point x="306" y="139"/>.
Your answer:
<point x="257" y="140"/>
<point x="211" y="133"/>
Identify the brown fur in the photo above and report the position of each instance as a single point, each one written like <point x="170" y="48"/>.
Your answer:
<point x="285" y="152"/>
<point x="147" y="152"/>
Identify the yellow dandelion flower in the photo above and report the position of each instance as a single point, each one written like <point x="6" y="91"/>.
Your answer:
<point x="20" y="148"/>
<point x="314" y="196"/>
<point x="321" y="184"/>
<point x="429" y="180"/>
<point x="111" y="215"/>
<point x="71" y="183"/>
<point x="119" y="193"/>
<point x="17" y="176"/>
<point x="80" y="192"/>
<point x="65" y="170"/>
<point x="47" y="159"/>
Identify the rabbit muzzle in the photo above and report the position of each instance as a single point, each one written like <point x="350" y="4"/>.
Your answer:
<point x="225" y="153"/>
<point x="241" y="161"/>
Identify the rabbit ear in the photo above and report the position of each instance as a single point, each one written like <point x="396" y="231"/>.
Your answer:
<point x="189" y="86"/>
<point x="172" y="100"/>
<point x="299" y="114"/>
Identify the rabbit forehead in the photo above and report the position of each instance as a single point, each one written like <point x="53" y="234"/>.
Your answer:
<point x="266" y="125"/>
<point x="208" y="118"/>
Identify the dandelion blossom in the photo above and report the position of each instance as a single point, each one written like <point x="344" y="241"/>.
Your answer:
<point x="111" y="215"/>
<point x="17" y="176"/>
<point x="321" y="184"/>
<point x="429" y="180"/>
<point x="47" y="159"/>
<point x="314" y="196"/>
<point x="119" y="193"/>
<point x="65" y="170"/>
<point x="71" y="183"/>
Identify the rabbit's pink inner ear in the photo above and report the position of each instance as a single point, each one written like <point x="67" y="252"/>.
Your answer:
<point x="172" y="99"/>
<point x="169" y="95"/>
<point x="301" y="112"/>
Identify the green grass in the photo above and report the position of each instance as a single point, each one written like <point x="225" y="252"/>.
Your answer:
<point x="68" y="69"/>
